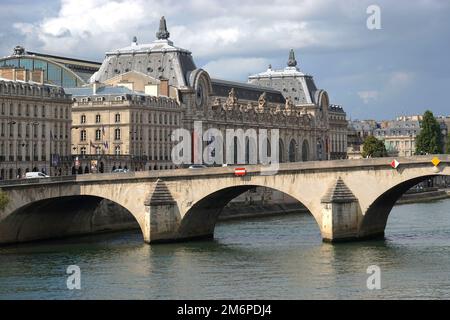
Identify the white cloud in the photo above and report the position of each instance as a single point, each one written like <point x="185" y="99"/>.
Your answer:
<point x="207" y="27"/>
<point x="234" y="38"/>
<point x="400" y="79"/>
<point x="233" y="68"/>
<point x="368" y="96"/>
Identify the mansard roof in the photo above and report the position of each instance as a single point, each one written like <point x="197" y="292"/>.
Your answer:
<point x="104" y="90"/>
<point x="290" y="81"/>
<point x="159" y="59"/>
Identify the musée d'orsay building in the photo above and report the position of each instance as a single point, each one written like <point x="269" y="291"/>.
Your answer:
<point x="124" y="113"/>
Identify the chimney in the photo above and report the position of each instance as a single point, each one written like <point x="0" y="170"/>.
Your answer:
<point x="95" y="87"/>
<point x="164" y="87"/>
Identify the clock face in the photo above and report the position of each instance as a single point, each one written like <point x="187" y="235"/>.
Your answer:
<point x="199" y="95"/>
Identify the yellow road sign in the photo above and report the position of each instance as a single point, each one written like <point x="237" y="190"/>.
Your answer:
<point x="435" y="161"/>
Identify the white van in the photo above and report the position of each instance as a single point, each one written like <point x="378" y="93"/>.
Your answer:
<point x="34" y="175"/>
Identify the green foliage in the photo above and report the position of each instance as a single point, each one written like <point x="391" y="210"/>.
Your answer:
<point x="373" y="148"/>
<point x="4" y="200"/>
<point x="429" y="141"/>
<point x="447" y="145"/>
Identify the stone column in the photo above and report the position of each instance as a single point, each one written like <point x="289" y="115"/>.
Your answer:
<point x="340" y="213"/>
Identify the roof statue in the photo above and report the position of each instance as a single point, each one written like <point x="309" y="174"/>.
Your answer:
<point x="292" y="62"/>
<point x="231" y="101"/>
<point x="19" y="50"/>
<point x="262" y="102"/>
<point x="162" y="33"/>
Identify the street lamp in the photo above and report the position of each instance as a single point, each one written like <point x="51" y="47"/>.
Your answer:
<point x="33" y="136"/>
<point x="10" y="124"/>
<point x="132" y="155"/>
<point x="17" y="156"/>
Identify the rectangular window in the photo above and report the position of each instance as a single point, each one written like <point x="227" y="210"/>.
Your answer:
<point x="117" y="134"/>
<point x="98" y="134"/>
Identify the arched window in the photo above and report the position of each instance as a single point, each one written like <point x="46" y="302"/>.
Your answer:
<point x="235" y="147"/>
<point x="305" y="151"/>
<point x="320" y="151"/>
<point x="292" y="149"/>
<point x="280" y="151"/>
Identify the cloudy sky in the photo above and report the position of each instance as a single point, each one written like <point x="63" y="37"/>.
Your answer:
<point x="402" y="68"/>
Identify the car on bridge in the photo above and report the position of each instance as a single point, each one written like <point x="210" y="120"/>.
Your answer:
<point x="36" y="175"/>
<point x="197" y="166"/>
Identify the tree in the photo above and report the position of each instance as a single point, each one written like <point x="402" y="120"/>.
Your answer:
<point x="429" y="141"/>
<point x="3" y="200"/>
<point x="373" y="148"/>
<point x="447" y="145"/>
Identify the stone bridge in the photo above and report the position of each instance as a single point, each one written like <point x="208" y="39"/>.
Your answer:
<point x="349" y="199"/>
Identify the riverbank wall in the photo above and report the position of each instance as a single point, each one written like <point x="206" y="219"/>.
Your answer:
<point x="425" y="196"/>
<point x="282" y="205"/>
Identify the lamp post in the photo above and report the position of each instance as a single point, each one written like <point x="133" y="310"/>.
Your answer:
<point x="33" y="136"/>
<point x="134" y="151"/>
<point x="17" y="156"/>
<point x="11" y="134"/>
<point x="74" y="148"/>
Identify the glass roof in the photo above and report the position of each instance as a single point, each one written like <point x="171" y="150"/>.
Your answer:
<point x="53" y="73"/>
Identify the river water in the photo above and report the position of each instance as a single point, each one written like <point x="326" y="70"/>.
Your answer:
<point x="279" y="257"/>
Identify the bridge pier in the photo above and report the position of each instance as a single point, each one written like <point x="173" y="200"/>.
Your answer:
<point x="162" y="216"/>
<point x="340" y="214"/>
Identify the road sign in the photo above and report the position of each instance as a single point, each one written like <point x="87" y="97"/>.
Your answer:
<point x="395" y="164"/>
<point x="240" y="172"/>
<point x="435" y="161"/>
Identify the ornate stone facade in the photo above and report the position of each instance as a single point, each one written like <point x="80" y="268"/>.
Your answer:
<point x="286" y="99"/>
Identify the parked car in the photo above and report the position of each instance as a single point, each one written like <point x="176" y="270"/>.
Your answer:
<point x="36" y="175"/>
<point x="197" y="166"/>
<point x="120" y="170"/>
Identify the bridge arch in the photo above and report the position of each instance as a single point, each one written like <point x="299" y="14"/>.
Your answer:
<point x="64" y="216"/>
<point x="203" y="215"/>
<point x="375" y="219"/>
